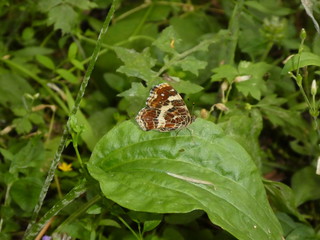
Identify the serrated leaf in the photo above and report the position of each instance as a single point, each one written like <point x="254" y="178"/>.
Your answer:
<point x="82" y="4"/>
<point x="28" y="156"/>
<point x="168" y="40"/>
<point x="62" y="17"/>
<point x="170" y="173"/>
<point x="186" y="87"/>
<point x="46" y="5"/>
<point x="67" y="75"/>
<point x="25" y="192"/>
<point x="300" y="61"/>
<point x="191" y="64"/>
<point x="136" y="64"/>
<point x="45" y="61"/>
<point x="22" y="125"/>
<point x="272" y="99"/>
<point x="135" y="90"/>
<point x="224" y="72"/>
<point x="255" y="85"/>
<point x="36" y="118"/>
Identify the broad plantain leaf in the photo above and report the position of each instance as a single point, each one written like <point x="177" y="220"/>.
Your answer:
<point x="178" y="173"/>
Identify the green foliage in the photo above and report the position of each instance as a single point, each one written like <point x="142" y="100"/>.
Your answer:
<point x="244" y="169"/>
<point x="147" y="172"/>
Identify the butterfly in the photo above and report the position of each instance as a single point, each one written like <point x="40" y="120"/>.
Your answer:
<point x="165" y="111"/>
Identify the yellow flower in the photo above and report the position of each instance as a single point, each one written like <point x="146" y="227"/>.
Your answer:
<point x="65" y="167"/>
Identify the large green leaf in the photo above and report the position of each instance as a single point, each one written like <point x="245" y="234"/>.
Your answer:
<point x="177" y="173"/>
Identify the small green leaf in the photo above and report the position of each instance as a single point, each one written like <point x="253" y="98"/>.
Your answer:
<point x="136" y="64"/>
<point x="82" y="4"/>
<point x="23" y="125"/>
<point x="12" y="88"/>
<point x="67" y="75"/>
<point x="305" y="185"/>
<point x="191" y="64"/>
<point x="72" y="51"/>
<point x="170" y="173"/>
<point x="137" y="89"/>
<point x="30" y="155"/>
<point x="62" y="17"/>
<point x="224" y="72"/>
<point x="186" y="87"/>
<point x="255" y="84"/>
<point x="296" y="230"/>
<point x="246" y="131"/>
<point x="32" y="51"/>
<point x="46" y="5"/>
<point x="151" y="224"/>
<point x="28" y="34"/>
<point x="6" y="154"/>
<point x="300" y="61"/>
<point x="87" y="135"/>
<point x="36" y="118"/>
<point x="77" y="64"/>
<point x="168" y="40"/>
<point x="114" y="81"/>
<point x="270" y="9"/>
<point x="282" y="198"/>
<point x="45" y="61"/>
<point x="102" y="127"/>
<point x="25" y="192"/>
<point x="109" y="223"/>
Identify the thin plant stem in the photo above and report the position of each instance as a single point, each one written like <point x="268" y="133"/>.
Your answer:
<point x="76" y="214"/>
<point x="131" y="230"/>
<point x="266" y="52"/>
<point x="75" y="146"/>
<point x="234" y="32"/>
<point x="69" y="197"/>
<point x="56" y="179"/>
<point x="74" y="110"/>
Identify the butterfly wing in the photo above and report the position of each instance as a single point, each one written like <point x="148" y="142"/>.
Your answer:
<point x="147" y="118"/>
<point x="165" y="111"/>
